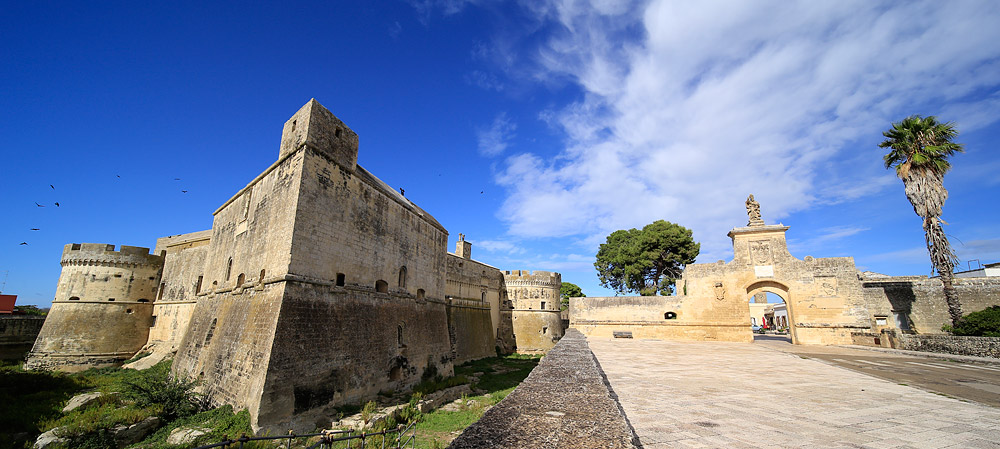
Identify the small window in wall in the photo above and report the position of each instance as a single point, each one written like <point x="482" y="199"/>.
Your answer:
<point x="128" y="311"/>
<point x="261" y="278"/>
<point x="402" y="277"/>
<point x="197" y="287"/>
<point x="670" y="315"/>
<point x="542" y="306"/>
<point x="118" y="275"/>
<point x="341" y="279"/>
<point x="239" y="280"/>
<point x="211" y="331"/>
<point x="159" y="295"/>
<point x="111" y="299"/>
<point x="229" y="268"/>
<point x="143" y="300"/>
<point x="399" y="335"/>
<point x="484" y="296"/>
<point x="545" y="330"/>
<point x="154" y="322"/>
<point x="881" y="321"/>
<point x="381" y="286"/>
<point x="420" y="293"/>
<point x="74" y="298"/>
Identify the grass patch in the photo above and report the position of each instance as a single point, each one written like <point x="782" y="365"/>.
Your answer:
<point x="29" y="398"/>
<point x="222" y="423"/>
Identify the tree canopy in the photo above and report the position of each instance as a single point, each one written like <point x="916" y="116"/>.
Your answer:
<point x="569" y="290"/>
<point x="645" y="261"/>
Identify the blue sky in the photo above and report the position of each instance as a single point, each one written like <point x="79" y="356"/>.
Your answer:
<point x="535" y="128"/>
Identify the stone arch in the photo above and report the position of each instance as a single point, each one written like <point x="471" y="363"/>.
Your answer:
<point x="782" y="290"/>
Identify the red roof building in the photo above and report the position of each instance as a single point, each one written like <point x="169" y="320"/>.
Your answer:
<point x="7" y="303"/>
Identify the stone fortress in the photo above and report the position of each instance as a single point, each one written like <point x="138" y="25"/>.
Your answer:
<point x="828" y="301"/>
<point x="317" y="286"/>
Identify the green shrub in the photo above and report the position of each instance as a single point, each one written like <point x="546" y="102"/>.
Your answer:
<point x="984" y="323"/>
<point x="154" y="386"/>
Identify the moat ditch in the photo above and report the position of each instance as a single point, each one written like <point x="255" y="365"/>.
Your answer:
<point x="126" y="402"/>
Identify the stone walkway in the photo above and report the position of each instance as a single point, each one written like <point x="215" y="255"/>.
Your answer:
<point x="737" y="395"/>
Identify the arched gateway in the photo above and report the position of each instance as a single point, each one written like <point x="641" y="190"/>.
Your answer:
<point x="824" y="296"/>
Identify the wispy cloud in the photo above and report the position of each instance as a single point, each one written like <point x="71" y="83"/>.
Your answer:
<point x="823" y="237"/>
<point x="986" y="250"/>
<point x="495" y="139"/>
<point x="689" y="107"/>
<point x="499" y="246"/>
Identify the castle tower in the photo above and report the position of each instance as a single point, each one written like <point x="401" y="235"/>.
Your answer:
<point x="102" y="310"/>
<point x="463" y="249"/>
<point x="535" y="297"/>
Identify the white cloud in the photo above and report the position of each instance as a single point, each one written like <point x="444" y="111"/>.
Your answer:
<point x="687" y="107"/>
<point x="495" y="139"/>
<point x="499" y="246"/>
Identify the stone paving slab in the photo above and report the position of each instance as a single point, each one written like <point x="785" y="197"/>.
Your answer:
<point x="564" y="403"/>
<point x="738" y="395"/>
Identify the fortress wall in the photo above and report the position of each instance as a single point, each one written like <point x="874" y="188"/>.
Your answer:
<point x="646" y="317"/>
<point x="253" y="230"/>
<point x="183" y="265"/>
<point x="250" y="240"/>
<point x="351" y="223"/>
<point x="922" y="299"/>
<point x="535" y="297"/>
<point x="473" y="333"/>
<point x="228" y="344"/>
<point x="473" y="291"/>
<point x="86" y="334"/>
<point x="623" y="308"/>
<point x="17" y="335"/>
<point x="342" y="345"/>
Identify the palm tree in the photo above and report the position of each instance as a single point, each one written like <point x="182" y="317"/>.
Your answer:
<point x="920" y="150"/>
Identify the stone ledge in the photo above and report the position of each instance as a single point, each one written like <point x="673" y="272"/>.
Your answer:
<point x="564" y="403"/>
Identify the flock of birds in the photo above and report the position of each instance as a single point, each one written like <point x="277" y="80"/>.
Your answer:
<point x="56" y="203"/>
<point x="401" y="192"/>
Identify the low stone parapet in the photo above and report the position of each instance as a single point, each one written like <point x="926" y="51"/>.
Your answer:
<point x="950" y="344"/>
<point x="565" y="402"/>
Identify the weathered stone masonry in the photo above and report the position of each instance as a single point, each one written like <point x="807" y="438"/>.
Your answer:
<point x="318" y="285"/>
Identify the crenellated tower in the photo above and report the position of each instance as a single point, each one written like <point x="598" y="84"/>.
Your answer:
<point x="535" y="298"/>
<point x="102" y="310"/>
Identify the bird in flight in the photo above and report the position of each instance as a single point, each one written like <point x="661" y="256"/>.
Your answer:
<point x="177" y="179"/>
<point x="35" y="229"/>
<point x="24" y="243"/>
<point x="39" y="205"/>
<point x="53" y="187"/>
<point x="57" y="204"/>
<point x="119" y="176"/>
<point x="184" y="191"/>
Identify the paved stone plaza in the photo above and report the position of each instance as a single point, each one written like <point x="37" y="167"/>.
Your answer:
<point x="739" y="395"/>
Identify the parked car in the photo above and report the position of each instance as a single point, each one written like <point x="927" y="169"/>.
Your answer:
<point x="757" y="328"/>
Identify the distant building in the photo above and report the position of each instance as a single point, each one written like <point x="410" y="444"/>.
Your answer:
<point x="7" y="303"/>
<point x="987" y="270"/>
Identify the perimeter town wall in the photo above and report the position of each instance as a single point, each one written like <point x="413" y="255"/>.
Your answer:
<point x="17" y="335"/>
